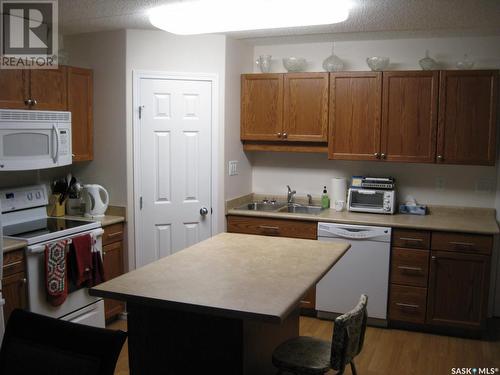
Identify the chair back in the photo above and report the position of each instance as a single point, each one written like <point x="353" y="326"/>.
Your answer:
<point x="348" y="335"/>
<point x="36" y="344"/>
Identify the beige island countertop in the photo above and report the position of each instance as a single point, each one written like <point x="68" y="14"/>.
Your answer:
<point x="230" y="275"/>
<point x="439" y="218"/>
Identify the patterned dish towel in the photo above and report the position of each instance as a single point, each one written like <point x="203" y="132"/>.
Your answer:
<point x="55" y="272"/>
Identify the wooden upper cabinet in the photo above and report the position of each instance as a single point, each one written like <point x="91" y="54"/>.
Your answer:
<point x="355" y="100"/>
<point x="49" y="89"/>
<point x="306" y="107"/>
<point x="80" y="103"/>
<point x="14" y="88"/>
<point x="261" y="107"/>
<point x="409" y="116"/>
<point x="467" y="117"/>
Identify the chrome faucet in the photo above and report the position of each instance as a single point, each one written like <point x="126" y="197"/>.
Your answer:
<point x="290" y="194"/>
<point x="309" y="199"/>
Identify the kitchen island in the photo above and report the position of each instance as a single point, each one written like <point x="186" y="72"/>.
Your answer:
<point x="220" y="306"/>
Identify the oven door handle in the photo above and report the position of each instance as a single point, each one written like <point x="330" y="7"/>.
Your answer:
<point x="37" y="249"/>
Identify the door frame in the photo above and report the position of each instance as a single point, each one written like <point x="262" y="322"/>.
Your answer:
<point x="137" y="75"/>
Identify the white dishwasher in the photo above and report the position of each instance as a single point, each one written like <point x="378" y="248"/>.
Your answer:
<point x="363" y="269"/>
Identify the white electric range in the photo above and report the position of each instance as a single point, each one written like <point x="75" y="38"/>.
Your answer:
<point x="25" y="218"/>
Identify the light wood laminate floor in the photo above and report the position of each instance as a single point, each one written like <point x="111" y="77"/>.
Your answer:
<point x="394" y="352"/>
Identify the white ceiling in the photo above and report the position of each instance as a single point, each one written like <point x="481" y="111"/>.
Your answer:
<point x="367" y="16"/>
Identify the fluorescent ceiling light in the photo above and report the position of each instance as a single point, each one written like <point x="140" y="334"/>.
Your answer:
<point x="217" y="16"/>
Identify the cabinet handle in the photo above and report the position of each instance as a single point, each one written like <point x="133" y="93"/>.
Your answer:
<point x="462" y="244"/>
<point x="73" y="155"/>
<point x="279" y="135"/>
<point x="24" y="281"/>
<point x="382" y="155"/>
<point x="408" y="239"/>
<point x="377" y="155"/>
<point x="305" y="302"/>
<point x="407" y="268"/>
<point x="440" y="157"/>
<point x="268" y="228"/>
<point x="285" y="135"/>
<point x="34" y="102"/>
<point x="116" y="234"/>
<point x="433" y="258"/>
<point x="28" y="101"/>
<point x="103" y="253"/>
<point x="407" y="305"/>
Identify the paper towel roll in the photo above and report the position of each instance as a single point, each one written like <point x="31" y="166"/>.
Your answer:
<point x="338" y="189"/>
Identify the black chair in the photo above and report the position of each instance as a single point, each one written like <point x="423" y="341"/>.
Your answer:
<point x="308" y="355"/>
<point x="36" y="344"/>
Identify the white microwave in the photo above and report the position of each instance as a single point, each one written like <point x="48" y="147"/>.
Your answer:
<point x="34" y="139"/>
<point x="374" y="201"/>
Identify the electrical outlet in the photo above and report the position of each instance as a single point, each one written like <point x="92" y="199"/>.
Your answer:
<point x="233" y="167"/>
<point x="440" y="183"/>
<point x="484" y="185"/>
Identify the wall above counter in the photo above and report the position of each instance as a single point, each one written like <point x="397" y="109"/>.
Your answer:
<point x="446" y="117"/>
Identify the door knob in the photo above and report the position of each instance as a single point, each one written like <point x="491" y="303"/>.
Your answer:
<point x="203" y="211"/>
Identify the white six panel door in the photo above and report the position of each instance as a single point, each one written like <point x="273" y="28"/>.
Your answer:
<point x="175" y="166"/>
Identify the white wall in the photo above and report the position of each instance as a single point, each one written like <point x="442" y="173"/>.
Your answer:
<point x="159" y="51"/>
<point x="104" y="52"/>
<point x="308" y="173"/>
<point x="403" y="53"/>
<point x="239" y="57"/>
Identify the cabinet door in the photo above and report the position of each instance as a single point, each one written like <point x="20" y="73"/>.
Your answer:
<point x="14" y="88"/>
<point x="458" y="289"/>
<point x="306" y="107"/>
<point x="467" y="117"/>
<point x="14" y="292"/>
<point x="355" y="100"/>
<point x="261" y="107"/>
<point x="80" y="103"/>
<point x="113" y="267"/>
<point x="409" y="116"/>
<point x="49" y="89"/>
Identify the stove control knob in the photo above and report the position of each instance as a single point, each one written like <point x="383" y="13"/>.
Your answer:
<point x="30" y="196"/>
<point x="38" y="195"/>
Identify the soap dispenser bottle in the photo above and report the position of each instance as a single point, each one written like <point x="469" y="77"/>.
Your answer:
<point x="325" y="199"/>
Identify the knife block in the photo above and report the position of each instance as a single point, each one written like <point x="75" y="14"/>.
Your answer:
<point x="54" y="208"/>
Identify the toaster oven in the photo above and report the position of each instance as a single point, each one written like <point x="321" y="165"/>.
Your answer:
<point x="371" y="200"/>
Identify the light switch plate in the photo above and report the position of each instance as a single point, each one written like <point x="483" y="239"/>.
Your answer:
<point x="440" y="183"/>
<point x="233" y="167"/>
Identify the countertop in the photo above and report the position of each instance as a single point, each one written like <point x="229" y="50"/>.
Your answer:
<point x="10" y="245"/>
<point x="440" y="218"/>
<point x="232" y="275"/>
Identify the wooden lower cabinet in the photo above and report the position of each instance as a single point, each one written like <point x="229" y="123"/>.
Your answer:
<point x="278" y="228"/>
<point x="444" y="286"/>
<point x="14" y="285"/>
<point x="458" y="289"/>
<point x="112" y="254"/>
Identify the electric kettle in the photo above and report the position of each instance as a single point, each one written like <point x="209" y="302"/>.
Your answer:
<point x="94" y="204"/>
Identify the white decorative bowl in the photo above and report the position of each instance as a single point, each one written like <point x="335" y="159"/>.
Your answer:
<point x="294" y="64"/>
<point x="377" y="63"/>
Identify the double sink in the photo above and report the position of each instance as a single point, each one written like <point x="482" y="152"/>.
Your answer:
<point x="284" y="207"/>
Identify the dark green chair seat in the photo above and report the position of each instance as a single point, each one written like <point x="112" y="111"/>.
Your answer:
<point x="306" y="355"/>
<point x="310" y="356"/>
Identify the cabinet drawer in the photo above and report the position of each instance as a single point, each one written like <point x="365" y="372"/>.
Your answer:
<point x="409" y="267"/>
<point x="407" y="303"/>
<point x="462" y="242"/>
<point x="112" y="233"/>
<point x="272" y="227"/>
<point x="415" y="239"/>
<point x="13" y="262"/>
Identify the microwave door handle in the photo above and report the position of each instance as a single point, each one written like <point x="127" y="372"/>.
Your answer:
<point x="56" y="156"/>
